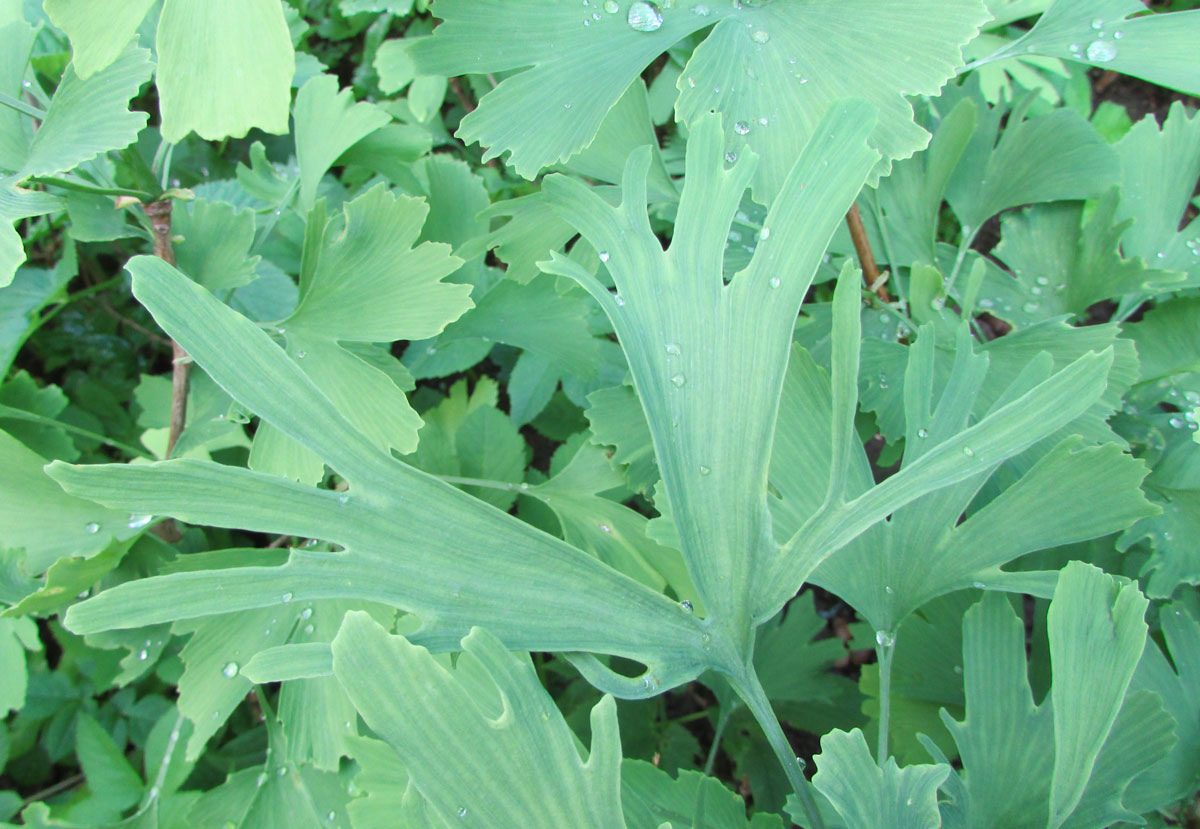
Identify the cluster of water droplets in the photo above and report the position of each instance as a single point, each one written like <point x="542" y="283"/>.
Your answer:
<point x="1100" y="49"/>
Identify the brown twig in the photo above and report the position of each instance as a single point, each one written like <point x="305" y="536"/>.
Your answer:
<point x="463" y="97"/>
<point x="126" y="321"/>
<point x="866" y="259"/>
<point x="159" y="213"/>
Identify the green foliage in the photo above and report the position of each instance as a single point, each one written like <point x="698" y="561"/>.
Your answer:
<point x="358" y="479"/>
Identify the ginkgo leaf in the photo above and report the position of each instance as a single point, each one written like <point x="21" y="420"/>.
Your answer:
<point x="328" y="123"/>
<point x="490" y="712"/>
<point x="1061" y="265"/>
<point x="89" y="117"/>
<point x="98" y="30"/>
<point x="866" y="795"/>
<point x="206" y="81"/>
<point x="772" y="70"/>
<point x="652" y="798"/>
<point x="215" y="249"/>
<point x="1157" y="165"/>
<point x="1117" y="35"/>
<point x="492" y="567"/>
<point x="366" y="283"/>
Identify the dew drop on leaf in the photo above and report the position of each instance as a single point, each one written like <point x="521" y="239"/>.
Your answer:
<point x="673" y="349"/>
<point x="1098" y="23"/>
<point x="741" y="127"/>
<point x="968" y="451"/>
<point x="136" y="522"/>
<point x="92" y="528"/>
<point x="731" y="157"/>
<point x="700" y="10"/>
<point x="686" y="605"/>
<point x="261" y="780"/>
<point x="885" y="639"/>
<point x="1030" y="307"/>
<point x="287" y="597"/>
<point x="462" y="811"/>
<point x="889" y="590"/>
<point x="604" y="256"/>
<point x="230" y="670"/>
<point x="306" y="613"/>
<point x="922" y="432"/>
<point x="612" y="7"/>
<point x="761" y="36"/>
<point x="678" y="380"/>
<point x="1101" y="51"/>
<point x="978" y="585"/>
<point x="143" y="655"/>
<point x="704" y="470"/>
<point x="774" y="282"/>
<point x="605" y="528"/>
<point x="644" y="16"/>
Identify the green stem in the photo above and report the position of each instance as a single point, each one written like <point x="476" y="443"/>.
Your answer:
<point x="22" y="107"/>
<point x="963" y="247"/>
<point x="751" y="691"/>
<point x="723" y="718"/>
<point x="95" y="189"/>
<point x="80" y="294"/>
<point x="885" y="653"/>
<point x="487" y="484"/>
<point x="10" y="413"/>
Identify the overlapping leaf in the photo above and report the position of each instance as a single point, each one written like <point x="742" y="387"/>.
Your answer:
<point x="773" y="70"/>
<point x="484" y="743"/>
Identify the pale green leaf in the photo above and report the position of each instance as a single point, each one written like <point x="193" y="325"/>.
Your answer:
<point x="18" y="203"/>
<point x="774" y="68"/>
<point x="652" y="798"/>
<point x="866" y="795"/>
<point x="224" y="67"/>
<point x="215" y="250"/>
<point x="99" y="31"/>
<point x="38" y="516"/>
<point x="534" y="591"/>
<point x="1061" y="266"/>
<point x="18" y="37"/>
<point x="328" y="123"/>
<point x="14" y="634"/>
<point x="617" y="420"/>
<point x="30" y="291"/>
<point x="690" y="339"/>
<point x="1045" y="158"/>
<point x="490" y="713"/>
<point x="1159" y="48"/>
<point x="1159" y="167"/>
<point x="1167" y="338"/>
<point x="109" y="774"/>
<point x="89" y="117"/>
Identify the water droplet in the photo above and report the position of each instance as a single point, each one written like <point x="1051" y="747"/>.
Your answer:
<point x="136" y="521"/>
<point x="1035" y="290"/>
<point x="644" y="17"/>
<point x="1118" y="34"/>
<point x="1041" y="280"/>
<point x="143" y="655"/>
<point x="958" y="669"/>
<point x="462" y="811"/>
<point x="889" y="590"/>
<point x="704" y="470"/>
<point x="741" y="127"/>
<point x="774" y="282"/>
<point x="306" y="613"/>
<point x="650" y="682"/>
<point x="1176" y="422"/>
<point x="612" y="6"/>
<point x="883" y="381"/>
<point x="604" y="256"/>
<point x="922" y="432"/>
<point x="308" y="629"/>
<point x="1101" y="51"/>
<point x="566" y="106"/>
<point x="230" y="670"/>
<point x="938" y="303"/>
<point x="986" y="303"/>
<point x="978" y="585"/>
<point x="282" y="771"/>
<point x="1030" y="307"/>
<point x="620" y="300"/>
<point x="968" y="451"/>
<point x="761" y="36"/>
<point x="686" y="605"/>
<point x="885" y="639"/>
<point x="605" y="528"/>
<point x="344" y="498"/>
<point x="331" y="816"/>
<point x="673" y="349"/>
<point x="1098" y="24"/>
<point x="764" y="234"/>
<point x="287" y="597"/>
<point x="731" y="157"/>
<point x="300" y="355"/>
<point x="700" y="10"/>
<point x="1075" y="49"/>
<point x="678" y="380"/>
